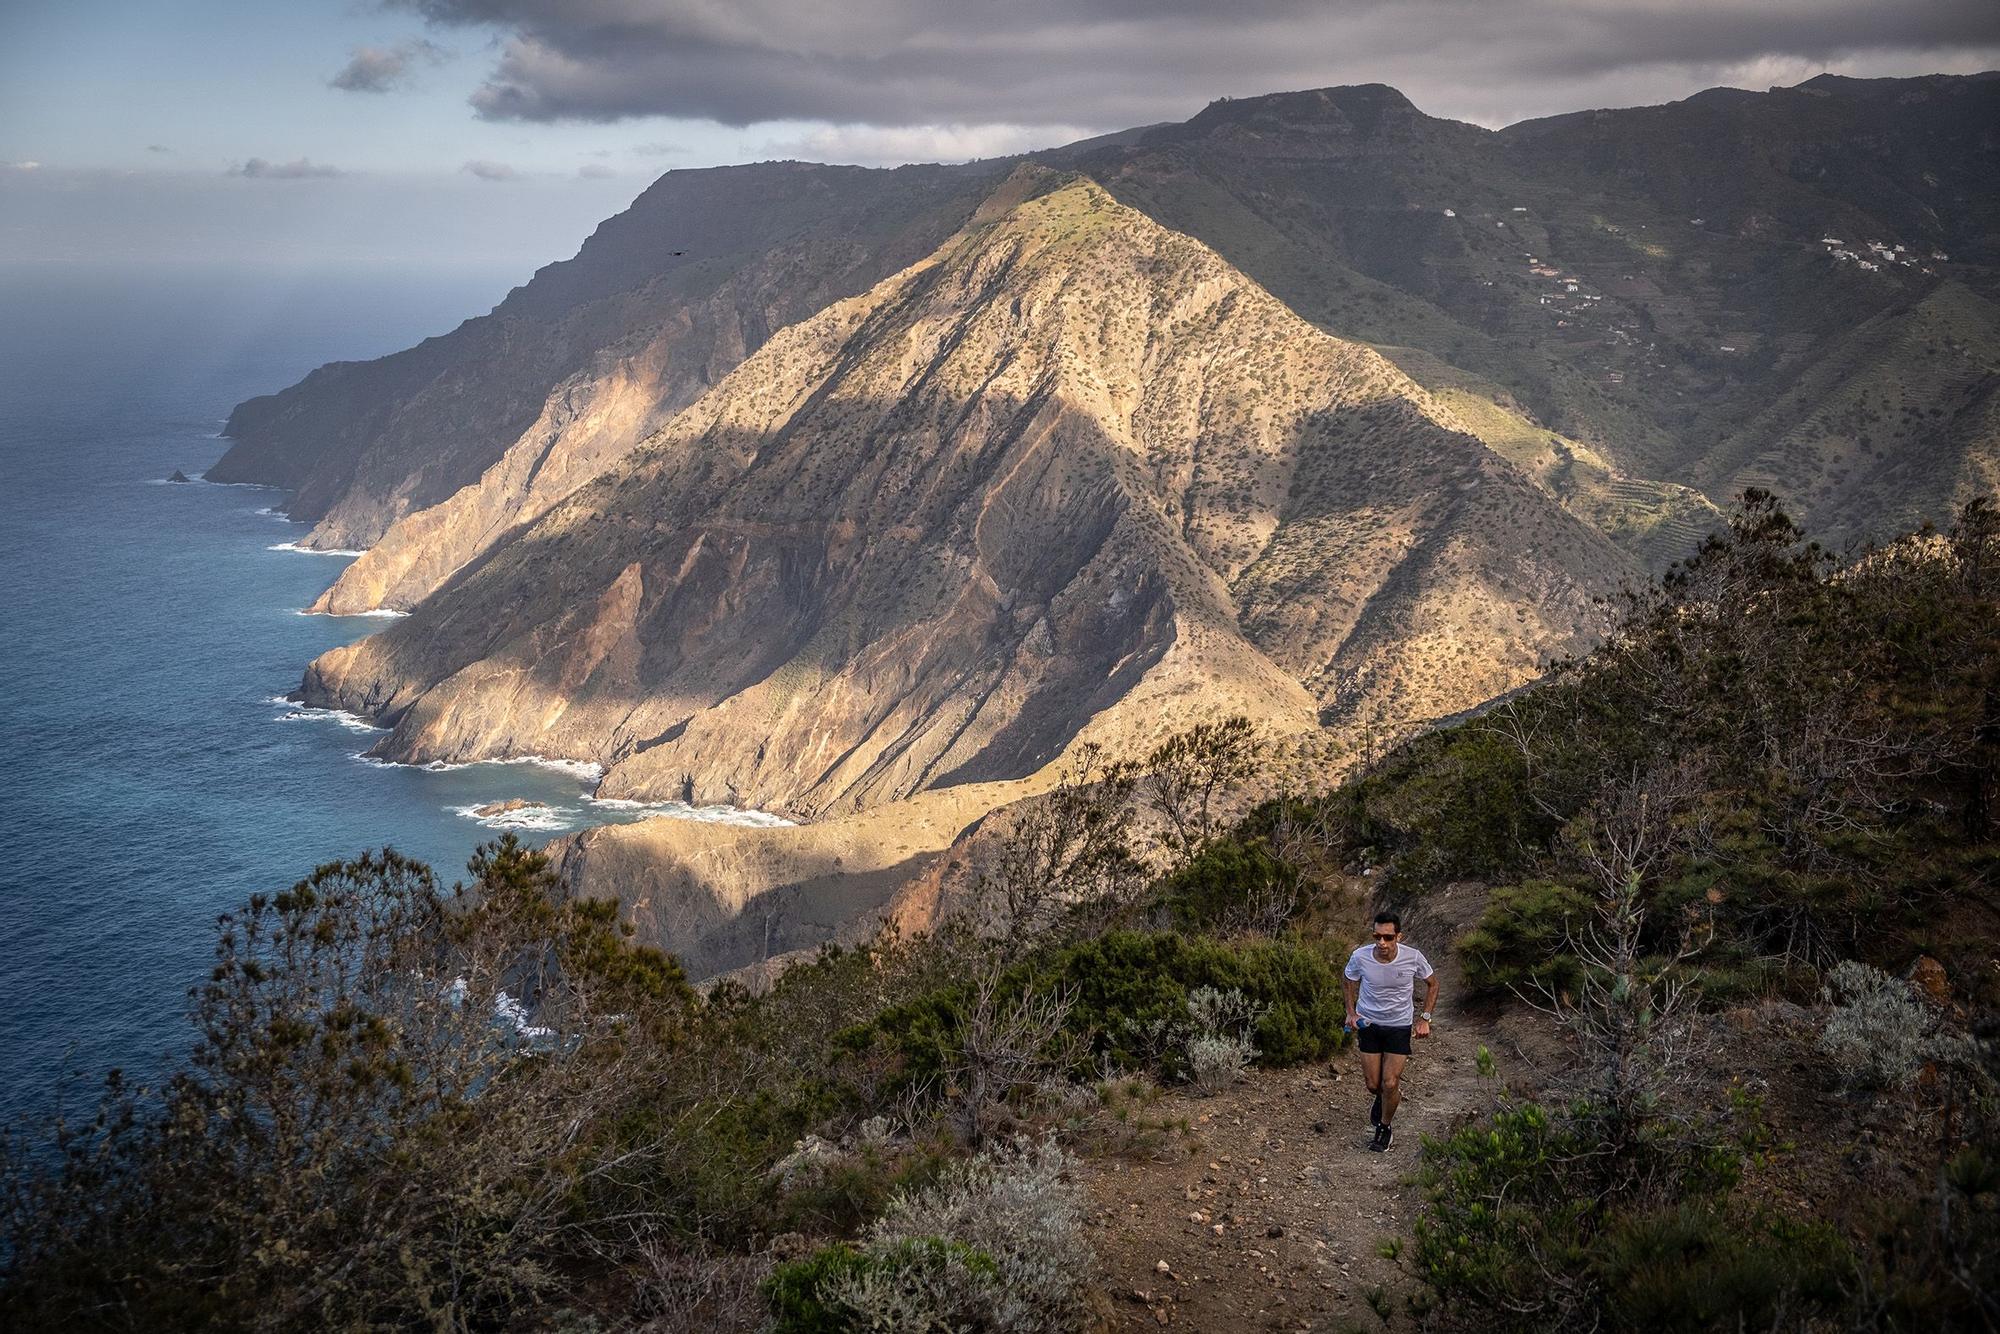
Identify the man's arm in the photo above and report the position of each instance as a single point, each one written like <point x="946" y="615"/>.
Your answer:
<point x="1353" y="995"/>
<point x="1423" y="1029"/>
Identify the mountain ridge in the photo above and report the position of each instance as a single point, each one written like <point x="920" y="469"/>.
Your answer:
<point x="1313" y="408"/>
<point x="1071" y="479"/>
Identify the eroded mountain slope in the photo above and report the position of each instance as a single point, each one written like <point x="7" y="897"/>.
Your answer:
<point x="1070" y="476"/>
<point x="596" y="351"/>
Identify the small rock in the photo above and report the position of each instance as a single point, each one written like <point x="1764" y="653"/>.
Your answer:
<point x="180" y="476"/>
<point x="507" y="807"/>
<point x="1927" y="975"/>
<point x="1274" y="1231"/>
<point x="1162" y="1268"/>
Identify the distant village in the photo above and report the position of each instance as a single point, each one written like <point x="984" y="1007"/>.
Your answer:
<point x="1874" y="254"/>
<point x="1581" y="313"/>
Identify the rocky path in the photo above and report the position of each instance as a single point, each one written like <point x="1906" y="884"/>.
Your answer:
<point x="1270" y="1212"/>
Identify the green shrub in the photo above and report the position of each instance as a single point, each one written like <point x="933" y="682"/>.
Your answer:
<point x="1526" y="1226"/>
<point x="1129" y="992"/>
<point x="1127" y="982"/>
<point x="1697" y="1267"/>
<point x="794" y="1290"/>
<point x="836" y="1288"/>
<point x="1936" y="1259"/>
<point x="1230" y="884"/>
<point x="994" y="1244"/>
<point x="1522" y="938"/>
<point x="1455" y="804"/>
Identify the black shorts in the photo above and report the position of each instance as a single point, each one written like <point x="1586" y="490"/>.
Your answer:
<point x="1383" y="1039"/>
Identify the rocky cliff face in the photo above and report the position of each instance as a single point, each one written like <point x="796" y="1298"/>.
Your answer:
<point x="1071" y="476"/>
<point x="662" y="302"/>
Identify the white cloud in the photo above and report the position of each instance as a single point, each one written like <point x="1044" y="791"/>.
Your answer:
<point x="298" y="169"/>
<point x="381" y="69"/>
<point x="872" y="145"/>
<point x="487" y="170"/>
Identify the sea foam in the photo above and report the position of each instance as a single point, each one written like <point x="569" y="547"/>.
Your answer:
<point x="309" y="551"/>
<point x="542" y="819"/>
<point x="681" y="810"/>
<point x="307" y="713"/>
<point x="582" y="770"/>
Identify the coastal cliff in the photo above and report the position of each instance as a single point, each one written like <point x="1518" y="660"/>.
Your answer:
<point x="1070" y="478"/>
<point x="665" y="298"/>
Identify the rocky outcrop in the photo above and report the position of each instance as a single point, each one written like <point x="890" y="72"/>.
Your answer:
<point x="1070" y="477"/>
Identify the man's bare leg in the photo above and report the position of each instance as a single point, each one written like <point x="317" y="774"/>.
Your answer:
<point x="1391" y="1082"/>
<point x="1371" y="1072"/>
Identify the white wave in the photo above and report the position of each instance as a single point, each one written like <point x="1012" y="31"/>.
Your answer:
<point x="272" y="512"/>
<point x="384" y="613"/>
<point x="254" y="486"/>
<point x="681" y="810"/>
<point x="307" y="713"/>
<point x="582" y="770"/>
<point x="311" y="551"/>
<point x="547" y="819"/>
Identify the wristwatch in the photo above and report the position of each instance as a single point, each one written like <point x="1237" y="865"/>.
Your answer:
<point x="1425" y="1016"/>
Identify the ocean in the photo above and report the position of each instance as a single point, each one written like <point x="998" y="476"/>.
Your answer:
<point x="151" y="773"/>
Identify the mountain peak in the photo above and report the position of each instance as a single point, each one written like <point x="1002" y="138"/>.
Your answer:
<point x="1316" y="123"/>
<point x="1364" y="107"/>
<point x="1071" y="477"/>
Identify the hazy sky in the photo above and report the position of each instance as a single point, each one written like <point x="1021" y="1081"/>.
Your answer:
<point x="497" y="132"/>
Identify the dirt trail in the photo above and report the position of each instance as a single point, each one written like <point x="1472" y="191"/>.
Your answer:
<point x="1270" y="1213"/>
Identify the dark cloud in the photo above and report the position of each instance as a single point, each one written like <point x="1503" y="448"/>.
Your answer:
<point x="596" y="171"/>
<point x="158" y="148"/>
<point x="487" y="170"/>
<point x="1112" y="63"/>
<point x="381" y="69"/>
<point x="298" y="169"/>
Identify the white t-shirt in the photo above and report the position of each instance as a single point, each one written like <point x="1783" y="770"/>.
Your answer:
<point x="1388" y="990"/>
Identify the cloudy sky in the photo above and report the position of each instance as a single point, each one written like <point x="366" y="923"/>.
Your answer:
<point x="498" y="131"/>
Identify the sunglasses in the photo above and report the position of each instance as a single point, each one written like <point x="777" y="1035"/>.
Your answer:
<point x="1380" y="935"/>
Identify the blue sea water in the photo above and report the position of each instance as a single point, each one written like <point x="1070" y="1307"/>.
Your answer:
<point x="151" y="775"/>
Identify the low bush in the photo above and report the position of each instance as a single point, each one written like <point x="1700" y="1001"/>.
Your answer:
<point x="1231" y="885"/>
<point x="1522" y="1229"/>
<point x="994" y="1244"/>
<point x="1127" y="995"/>
<point x="1936" y="1260"/>
<point x="1523" y="939"/>
<point x="1880" y="1034"/>
<point x="1219" y="1046"/>
<point x="925" y="1285"/>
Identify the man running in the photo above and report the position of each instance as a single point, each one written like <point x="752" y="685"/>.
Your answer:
<point x="1381" y="1003"/>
